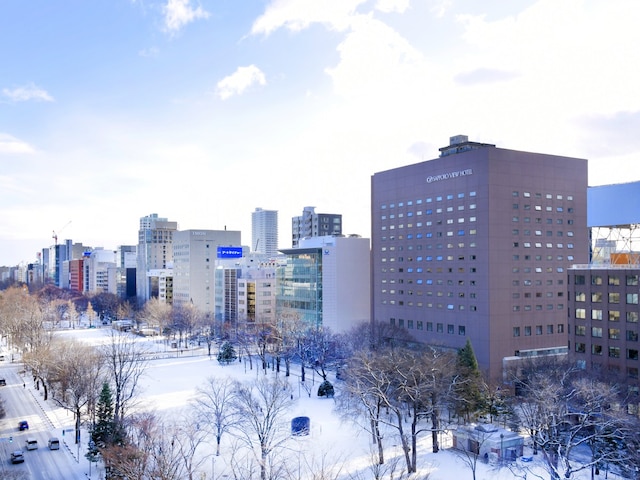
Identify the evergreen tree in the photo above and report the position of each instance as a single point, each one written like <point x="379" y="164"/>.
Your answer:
<point x="469" y="398"/>
<point x="104" y="429"/>
<point x="227" y="353"/>
<point x="326" y="389"/>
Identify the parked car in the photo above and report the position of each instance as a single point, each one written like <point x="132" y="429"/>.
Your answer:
<point x="17" y="457"/>
<point x="23" y="425"/>
<point x="3" y="382"/>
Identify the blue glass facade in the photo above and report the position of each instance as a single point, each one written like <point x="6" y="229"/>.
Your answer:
<point x="299" y="290"/>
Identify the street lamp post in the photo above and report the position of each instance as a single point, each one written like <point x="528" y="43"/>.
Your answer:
<point x="501" y="447"/>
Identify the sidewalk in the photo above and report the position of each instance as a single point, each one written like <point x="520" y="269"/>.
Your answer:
<point x="61" y="424"/>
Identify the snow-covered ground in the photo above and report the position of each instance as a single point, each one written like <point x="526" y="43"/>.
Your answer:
<point x="334" y="446"/>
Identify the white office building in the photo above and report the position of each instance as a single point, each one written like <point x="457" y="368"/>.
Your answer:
<point x="155" y="251"/>
<point x="194" y="263"/>
<point x="325" y="283"/>
<point x="100" y="272"/>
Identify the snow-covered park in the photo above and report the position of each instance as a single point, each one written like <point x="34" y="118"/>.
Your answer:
<point x="335" y="448"/>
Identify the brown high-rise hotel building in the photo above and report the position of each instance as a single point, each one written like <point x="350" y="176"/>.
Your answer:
<point x="475" y="245"/>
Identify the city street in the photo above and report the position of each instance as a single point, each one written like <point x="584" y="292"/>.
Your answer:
<point x="42" y="463"/>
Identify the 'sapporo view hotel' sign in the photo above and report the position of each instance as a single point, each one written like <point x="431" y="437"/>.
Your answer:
<point x="447" y="176"/>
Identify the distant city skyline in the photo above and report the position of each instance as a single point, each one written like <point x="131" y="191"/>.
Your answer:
<point x="202" y="110"/>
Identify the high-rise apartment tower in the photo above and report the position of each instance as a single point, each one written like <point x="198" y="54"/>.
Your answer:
<point x="264" y="232"/>
<point x="311" y="224"/>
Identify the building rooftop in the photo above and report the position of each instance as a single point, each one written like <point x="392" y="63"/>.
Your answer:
<point x="460" y="144"/>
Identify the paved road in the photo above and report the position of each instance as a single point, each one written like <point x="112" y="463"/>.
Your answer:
<point x="41" y="464"/>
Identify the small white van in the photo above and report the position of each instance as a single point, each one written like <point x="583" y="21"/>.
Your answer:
<point x="54" y="443"/>
<point x="31" y="443"/>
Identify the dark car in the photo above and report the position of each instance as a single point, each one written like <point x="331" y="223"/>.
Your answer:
<point x="3" y="382"/>
<point x="23" y="425"/>
<point x="17" y="457"/>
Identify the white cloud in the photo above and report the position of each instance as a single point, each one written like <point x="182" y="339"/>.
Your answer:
<point x="26" y="93"/>
<point x="11" y="145"/>
<point x="151" y="52"/>
<point x="239" y="81"/>
<point x="562" y="70"/>
<point x="441" y="7"/>
<point x="484" y="75"/>
<point x="375" y="58"/>
<point x="179" y="13"/>
<point x="392" y="5"/>
<point x="296" y="15"/>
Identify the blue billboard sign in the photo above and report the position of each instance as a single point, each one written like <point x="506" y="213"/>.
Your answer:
<point x="229" y="252"/>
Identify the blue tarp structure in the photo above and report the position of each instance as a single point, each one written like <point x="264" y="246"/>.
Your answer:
<point x="300" y="426"/>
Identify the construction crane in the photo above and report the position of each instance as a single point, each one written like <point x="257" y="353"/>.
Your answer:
<point x="55" y="235"/>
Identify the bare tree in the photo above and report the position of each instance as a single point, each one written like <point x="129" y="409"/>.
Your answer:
<point x="41" y="363"/>
<point x="564" y="411"/>
<point x="401" y="389"/>
<point x="264" y="337"/>
<point x="156" y="449"/>
<point x="124" y="310"/>
<point x="498" y="403"/>
<point x="242" y="464"/>
<point x="377" y="336"/>
<point x="75" y="376"/>
<point x="287" y="333"/>
<point x="261" y="409"/>
<point x="320" y="349"/>
<point x="133" y="458"/>
<point x="156" y="314"/>
<point x="362" y="396"/>
<point x="183" y="320"/>
<point x="125" y="362"/>
<point x="424" y="382"/>
<point x="53" y="311"/>
<point x="316" y="467"/>
<point x="244" y="338"/>
<point x="22" y="319"/>
<point x="207" y="331"/>
<point x="71" y="314"/>
<point x="106" y="305"/>
<point x="185" y="443"/>
<point x="213" y="404"/>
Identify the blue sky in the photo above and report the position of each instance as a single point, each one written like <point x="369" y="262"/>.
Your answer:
<point x="202" y="111"/>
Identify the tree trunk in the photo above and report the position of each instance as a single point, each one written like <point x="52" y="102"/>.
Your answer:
<point x="77" y="414"/>
<point x="263" y="466"/>
<point x="435" y="426"/>
<point x="378" y="440"/>
<point x="46" y="390"/>
<point x="414" y="440"/>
